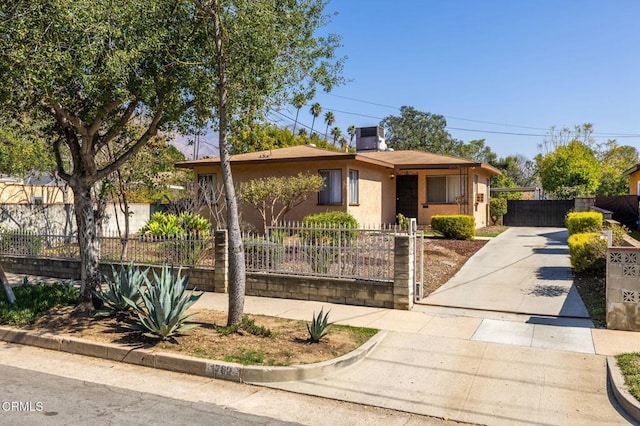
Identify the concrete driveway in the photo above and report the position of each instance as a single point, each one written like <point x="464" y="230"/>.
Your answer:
<point x="524" y="270"/>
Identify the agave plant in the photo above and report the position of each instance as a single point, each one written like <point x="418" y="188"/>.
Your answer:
<point x="124" y="288"/>
<point x="164" y="303"/>
<point x="318" y="327"/>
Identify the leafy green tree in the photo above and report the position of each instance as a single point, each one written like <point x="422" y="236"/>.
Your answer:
<point x="570" y="171"/>
<point x="260" y="52"/>
<point x="275" y="196"/>
<point x="267" y="136"/>
<point x="518" y="168"/>
<point x="23" y="150"/>
<point x="504" y="181"/>
<point x="478" y="151"/>
<point x="615" y="159"/>
<point x="418" y="130"/>
<point x="315" y="110"/>
<point x="92" y="68"/>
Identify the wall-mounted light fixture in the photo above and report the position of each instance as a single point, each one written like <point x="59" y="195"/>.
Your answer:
<point x="392" y="175"/>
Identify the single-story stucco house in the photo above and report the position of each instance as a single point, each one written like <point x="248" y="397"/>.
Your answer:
<point x="373" y="185"/>
<point x="634" y="179"/>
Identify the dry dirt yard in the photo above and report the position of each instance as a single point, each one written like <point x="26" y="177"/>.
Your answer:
<point x="287" y="344"/>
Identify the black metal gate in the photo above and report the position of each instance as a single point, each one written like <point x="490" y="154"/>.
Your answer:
<point x="537" y="213"/>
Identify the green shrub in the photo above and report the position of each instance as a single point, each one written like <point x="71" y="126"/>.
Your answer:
<point x="618" y="232"/>
<point x="318" y="327"/>
<point x="403" y="221"/>
<point x="187" y="236"/>
<point x="193" y="223"/>
<point x="587" y="251"/>
<point x="323" y="233"/>
<point x="260" y="253"/>
<point x="581" y="222"/>
<point x="20" y="241"/>
<point x="457" y="226"/>
<point x="33" y="301"/>
<point x="497" y="208"/>
<point x="164" y="304"/>
<point x="124" y="287"/>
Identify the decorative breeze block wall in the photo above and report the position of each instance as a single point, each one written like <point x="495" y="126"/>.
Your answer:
<point x="623" y="288"/>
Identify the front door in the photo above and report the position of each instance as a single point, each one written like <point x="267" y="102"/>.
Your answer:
<point x="407" y="195"/>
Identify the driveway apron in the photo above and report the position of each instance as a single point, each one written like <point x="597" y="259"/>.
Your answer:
<point x="524" y="270"/>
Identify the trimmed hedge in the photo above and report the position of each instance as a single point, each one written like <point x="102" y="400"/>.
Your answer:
<point x="581" y="222"/>
<point x="587" y="251"/>
<point x="456" y="226"/>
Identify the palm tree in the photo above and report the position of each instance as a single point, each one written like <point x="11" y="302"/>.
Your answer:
<point x="315" y="110"/>
<point x="336" y="133"/>
<point x="343" y="143"/>
<point x="351" y="130"/>
<point x="298" y="101"/>
<point x="329" y="118"/>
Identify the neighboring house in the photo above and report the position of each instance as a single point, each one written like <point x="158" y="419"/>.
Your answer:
<point x="374" y="186"/>
<point x="634" y="179"/>
<point x="45" y="190"/>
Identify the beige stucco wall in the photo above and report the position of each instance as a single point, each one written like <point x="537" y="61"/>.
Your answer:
<point x="17" y="193"/>
<point x="369" y="210"/>
<point x="377" y="192"/>
<point x="634" y="178"/>
<point x="477" y="209"/>
<point x="377" y="195"/>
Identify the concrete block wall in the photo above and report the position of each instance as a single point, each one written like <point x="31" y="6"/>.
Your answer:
<point x="623" y="288"/>
<point x="342" y="291"/>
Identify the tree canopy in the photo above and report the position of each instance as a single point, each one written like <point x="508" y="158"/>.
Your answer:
<point x="91" y="68"/>
<point x="570" y="171"/>
<point x="424" y="131"/>
<point x="418" y="130"/>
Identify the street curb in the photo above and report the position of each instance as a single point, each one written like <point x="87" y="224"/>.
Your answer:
<point x="622" y="395"/>
<point x="186" y="364"/>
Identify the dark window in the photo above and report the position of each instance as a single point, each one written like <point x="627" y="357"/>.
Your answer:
<point x="446" y="189"/>
<point x="332" y="191"/>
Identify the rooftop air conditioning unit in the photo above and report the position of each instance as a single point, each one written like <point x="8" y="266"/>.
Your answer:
<point x="370" y="139"/>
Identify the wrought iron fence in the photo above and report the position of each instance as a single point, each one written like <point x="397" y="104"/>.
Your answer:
<point x="187" y="250"/>
<point x="325" y="250"/>
<point x="290" y="248"/>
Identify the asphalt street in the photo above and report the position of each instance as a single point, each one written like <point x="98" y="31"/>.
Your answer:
<point x="33" y="398"/>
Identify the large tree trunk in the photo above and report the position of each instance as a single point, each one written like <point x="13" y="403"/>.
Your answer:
<point x="88" y="242"/>
<point x="237" y="270"/>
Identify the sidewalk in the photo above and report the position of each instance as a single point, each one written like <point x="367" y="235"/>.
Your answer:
<point x="445" y="363"/>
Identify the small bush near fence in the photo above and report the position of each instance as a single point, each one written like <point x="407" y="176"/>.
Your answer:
<point x="581" y="222"/>
<point x="457" y="226"/>
<point x="19" y="241"/>
<point x="497" y="208"/>
<point x="587" y="251"/>
<point x="326" y="232"/>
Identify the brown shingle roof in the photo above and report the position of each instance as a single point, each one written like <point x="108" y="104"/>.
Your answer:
<point x="403" y="160"/>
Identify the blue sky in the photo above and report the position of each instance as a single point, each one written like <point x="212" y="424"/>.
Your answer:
<point x="527" y="65"/>
<point x="492" y="66"/>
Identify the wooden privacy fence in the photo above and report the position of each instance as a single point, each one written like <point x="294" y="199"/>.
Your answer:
<point x="537" y="212"/>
